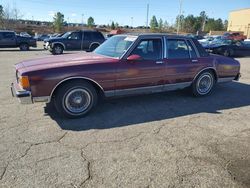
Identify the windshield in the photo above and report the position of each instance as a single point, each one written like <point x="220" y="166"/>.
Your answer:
<point x="115" y="46"/>
<point x="65" y="35"/>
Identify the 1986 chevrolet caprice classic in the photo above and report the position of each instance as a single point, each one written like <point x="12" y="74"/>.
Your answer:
<point x="123" y="65"/>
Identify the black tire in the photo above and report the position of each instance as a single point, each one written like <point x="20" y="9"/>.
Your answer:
<point x="24" y="47"/>
<point x="228" y="53"/>
<point x="204" y="84"/>
<point x="93" y="47"/>
<point x="57" y="49"/>
<point x="71" y="105"/>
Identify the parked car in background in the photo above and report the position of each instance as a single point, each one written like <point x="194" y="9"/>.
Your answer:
<point x="25" y="34"/>
<point x="229" y="48"/>
<point x="9" y="39"/>
<point x="197" y="37"/>
<point x="209" y="39"/>
<point x="41" y="37"/>
<point x="123" y="65"/>
<point x="234" y="36"/>
<point x="75" y="40"/>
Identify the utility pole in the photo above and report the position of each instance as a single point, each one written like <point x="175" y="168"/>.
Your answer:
<point x="82" y="20"/>
<point x="132" y="20"/>
<point x="179" y="19"/>
<point x="147" y="15"/>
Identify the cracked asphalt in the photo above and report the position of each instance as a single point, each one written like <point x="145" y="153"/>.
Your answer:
<point x="161" y="140"/>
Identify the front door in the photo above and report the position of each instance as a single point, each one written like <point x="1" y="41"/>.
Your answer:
<point x="74" y="41"/>
<point x="145" y="74"/>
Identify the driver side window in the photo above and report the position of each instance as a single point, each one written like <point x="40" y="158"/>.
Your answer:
<point x="149" y="49"/>
<point x="74" y="36"/>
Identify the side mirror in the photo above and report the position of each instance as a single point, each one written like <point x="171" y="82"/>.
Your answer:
<point x="134" y="58"/>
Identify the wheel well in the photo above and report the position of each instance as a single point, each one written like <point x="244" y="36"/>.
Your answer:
<point x="58" y="44"/>
<point x="23" y="43"/>
<point x="96" y="43"/>
<point x="209" y="69"/>
<point x="99" y="90"/>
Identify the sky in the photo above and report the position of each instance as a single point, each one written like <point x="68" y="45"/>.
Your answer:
<point x="125" y="12"/>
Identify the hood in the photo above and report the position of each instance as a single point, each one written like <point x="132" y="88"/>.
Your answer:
<point x="49" y="62"/>
<point x="54" y="39"/>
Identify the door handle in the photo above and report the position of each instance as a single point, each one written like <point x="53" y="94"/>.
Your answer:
<point x="194" y="60"/>
<point x="159" y="62"/>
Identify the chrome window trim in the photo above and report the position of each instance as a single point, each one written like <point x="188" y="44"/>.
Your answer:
<point x="165" y="47"/>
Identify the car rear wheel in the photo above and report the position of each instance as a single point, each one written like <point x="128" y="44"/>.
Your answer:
<point x="228" y="53"/>
<point x="93" y="47"/>
<point x="75" y="99"/>
<point x="24" y="47"/>
<point x="57" y="50"/>
<point x="203" y="84"/>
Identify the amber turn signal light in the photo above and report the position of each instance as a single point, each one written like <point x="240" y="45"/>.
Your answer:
<point x="24" y="82"/>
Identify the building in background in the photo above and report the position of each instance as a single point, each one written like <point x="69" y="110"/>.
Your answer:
<point x="239" y="20"/>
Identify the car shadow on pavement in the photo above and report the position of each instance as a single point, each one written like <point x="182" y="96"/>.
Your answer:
<point x="148" y="108"/>
<point x="18" y="50"/>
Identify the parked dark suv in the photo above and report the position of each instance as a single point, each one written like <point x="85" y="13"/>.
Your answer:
<point x="75" y="40"/>
<point x="9" y="39"/>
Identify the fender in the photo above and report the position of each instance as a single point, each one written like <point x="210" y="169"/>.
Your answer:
<point x="54" y="43"/>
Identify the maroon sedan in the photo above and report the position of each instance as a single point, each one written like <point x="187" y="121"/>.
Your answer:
<point x="123" y="65"/>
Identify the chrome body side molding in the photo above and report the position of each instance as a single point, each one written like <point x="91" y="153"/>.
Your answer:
<point x="147" y="90"/>
<point x="226" y="79"/>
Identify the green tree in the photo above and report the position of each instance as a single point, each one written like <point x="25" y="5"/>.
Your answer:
<point x="166" y="25"/>
<point x="1" y="15"/>
<point x="225" y="24"/>
<point x="91" y="22"/>
<point x="58" y="22"/>
<point x="113" y="25"/>
<point x="153" y="23"/>
<point x="116" y="25"/>
<point x="160" y="25"/>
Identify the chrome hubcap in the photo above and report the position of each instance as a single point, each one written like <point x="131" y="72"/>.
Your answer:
<point x="58" y="50"/>
<point x="77" y="101"/>
<point x="204" y="84"/>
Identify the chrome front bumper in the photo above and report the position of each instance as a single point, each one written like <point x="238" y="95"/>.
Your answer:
<point x="23" y="96"/>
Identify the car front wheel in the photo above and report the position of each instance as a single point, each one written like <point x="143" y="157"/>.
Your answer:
<point x="24" y="47"/>
<point x="57" y="50"/>
<point x="203" y="84"/>
<point x="75" y="99"/>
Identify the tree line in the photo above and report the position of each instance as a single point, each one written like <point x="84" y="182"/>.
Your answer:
<point x="187" y="24"/>
<point x="190" y="24"/>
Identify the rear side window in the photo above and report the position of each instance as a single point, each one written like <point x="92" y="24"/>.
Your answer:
<point x="191" y="50"/>
<point x="97" y="36"/>
<point x="201" y="50"/>
<point x="177" y="49"/>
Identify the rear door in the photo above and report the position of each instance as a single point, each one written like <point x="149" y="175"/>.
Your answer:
<point x="182" y="61"/>
<point x="87" y="40"/>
